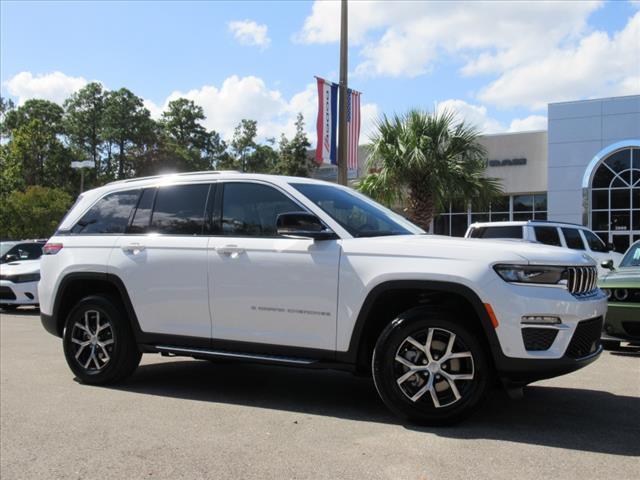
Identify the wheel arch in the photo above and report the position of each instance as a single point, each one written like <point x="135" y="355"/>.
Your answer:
<point x="77" y="285"/>
<point x="393" y="297"/>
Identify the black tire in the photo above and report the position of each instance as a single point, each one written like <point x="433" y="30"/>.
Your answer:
<point x="123" y="354"/>
<point x="388" y="372"/>
<point x="9" y="308"/>
<point x="610" y="344"/>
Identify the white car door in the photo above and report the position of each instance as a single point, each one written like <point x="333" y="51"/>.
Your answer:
<point x="264" y="288"/>
<point x="162" y="261"/>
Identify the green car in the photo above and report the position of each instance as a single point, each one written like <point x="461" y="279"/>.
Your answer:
<point x="622" y="286"/>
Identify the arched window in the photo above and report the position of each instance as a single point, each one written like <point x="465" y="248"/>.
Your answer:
<point x="615" y="198"/>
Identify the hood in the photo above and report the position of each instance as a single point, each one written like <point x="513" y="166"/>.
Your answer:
<point x="493" y="251"/>
<point x="20" y="267"/>
<point x="627" y="277"/>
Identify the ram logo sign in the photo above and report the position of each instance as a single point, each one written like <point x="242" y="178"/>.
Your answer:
<point x="507" y="162"/>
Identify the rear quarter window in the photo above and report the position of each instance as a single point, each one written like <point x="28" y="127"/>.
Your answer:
<point x="509" y="231"/>
<point x="109" y="215"/>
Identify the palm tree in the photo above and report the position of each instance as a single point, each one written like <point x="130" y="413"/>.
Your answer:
<point x="423" y="161"/>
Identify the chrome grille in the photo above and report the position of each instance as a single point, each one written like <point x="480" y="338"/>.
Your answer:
<point x="582" y="280"/>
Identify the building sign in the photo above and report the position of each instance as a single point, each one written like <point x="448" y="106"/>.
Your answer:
<point x="507" y="162"/>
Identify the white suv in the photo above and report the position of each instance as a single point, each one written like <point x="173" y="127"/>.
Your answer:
<point x="299" y="272"/>
<point x="559" y="234"/>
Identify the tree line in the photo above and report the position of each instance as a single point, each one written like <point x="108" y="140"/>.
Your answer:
<point x="39" y="139"/>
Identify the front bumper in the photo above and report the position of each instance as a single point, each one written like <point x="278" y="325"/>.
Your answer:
<point x="18" y="293"/>
<point x="622" y="322"/>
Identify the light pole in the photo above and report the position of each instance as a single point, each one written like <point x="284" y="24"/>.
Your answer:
<point x="81" y="166"/>
<point x="342" y="116"/>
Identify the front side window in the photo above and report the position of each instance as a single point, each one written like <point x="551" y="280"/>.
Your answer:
<point x="110" y="215"/>
<point x="594" y="242"/>
<point x="179" y="209"/>
<point x="251" y="209"/>
<point x="572" y="238"/>
<point x="359" y="216"/>
<point x="548" y="236"/>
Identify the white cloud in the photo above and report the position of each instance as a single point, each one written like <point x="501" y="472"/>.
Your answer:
<point x="532" y="122"/>
<point x="475" y="115"/>
<point x="248" y="32"/>
<point x="405" y="38"/>
<point x="478" y="116"/>
<point x="54" y="86"/>
<point x="249" y="97"/>
<point x="599" y="65"/>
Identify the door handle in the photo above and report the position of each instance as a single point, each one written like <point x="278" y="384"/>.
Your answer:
<point x="133" y="248"/>
<point x="232" y="250"/>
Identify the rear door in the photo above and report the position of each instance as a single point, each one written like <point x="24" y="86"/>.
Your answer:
<point x="162" y="261"/>
<point x="264" y="288"/>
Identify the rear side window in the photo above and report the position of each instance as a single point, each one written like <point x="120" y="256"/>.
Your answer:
<point x="251" y="209"/>
<point x="110" y="215"/>
<point x="510" y="231"/>
<point x="548" y="235"/>
<point x="179" y="209"/>
<point x="595" y="244"/>
<point x="573" y="238"/>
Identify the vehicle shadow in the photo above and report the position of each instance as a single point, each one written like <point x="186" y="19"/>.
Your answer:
<point x="22" y="312"/>
<point x="576" y="419"/>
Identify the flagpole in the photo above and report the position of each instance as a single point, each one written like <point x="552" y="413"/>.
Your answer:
<point x="342" y="117"/>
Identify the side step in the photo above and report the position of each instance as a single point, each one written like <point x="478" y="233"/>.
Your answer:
<point x="253" y="357"/>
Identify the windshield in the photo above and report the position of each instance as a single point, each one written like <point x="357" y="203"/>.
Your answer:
<point x="5" y="247"/>
<point x="632" y="257"/>
<point x="357" y="214"/>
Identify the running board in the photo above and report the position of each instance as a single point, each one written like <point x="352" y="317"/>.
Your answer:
<point x="255" y="357"/>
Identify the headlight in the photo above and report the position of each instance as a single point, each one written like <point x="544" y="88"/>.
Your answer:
<point x="607" y="291"/>
<point x="29" y="277"/>
<point x="532" y="274"/>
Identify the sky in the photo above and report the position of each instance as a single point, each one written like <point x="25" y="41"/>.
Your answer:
<point x="497" y="64"/>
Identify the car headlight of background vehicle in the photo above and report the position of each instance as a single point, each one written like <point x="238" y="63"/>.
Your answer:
<point x="532" y="274"/>
<point x="24" y="278"/>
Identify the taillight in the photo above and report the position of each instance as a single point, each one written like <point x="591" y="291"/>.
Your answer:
<point x="51" y="248"/>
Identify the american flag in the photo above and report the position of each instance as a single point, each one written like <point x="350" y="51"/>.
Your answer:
<point x="353" y="128"/>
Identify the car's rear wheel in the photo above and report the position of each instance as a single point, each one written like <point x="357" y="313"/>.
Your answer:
<point x="429" y="369"/>
<point x="98" y="342"/>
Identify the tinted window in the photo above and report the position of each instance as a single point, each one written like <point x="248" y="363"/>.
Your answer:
<point x="142" y="217"/>
<point x="360" y="217"/>
<point x="179" y="209"/>
<point x="251" y="209"/>
<point x="573" y="238"/>
<point x="513" y="231"/>
<point x="595" y="244"/>
<point x="110" y="215"/>
<point x="548" y="235"/>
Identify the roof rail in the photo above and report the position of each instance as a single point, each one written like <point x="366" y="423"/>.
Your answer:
<point x="183" y="174"/>
<point x="553" y="221"/>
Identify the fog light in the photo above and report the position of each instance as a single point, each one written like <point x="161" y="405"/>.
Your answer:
<point x="621" y="294"/>
<point x="540" y="320"/>
<point x="29" y="295"/>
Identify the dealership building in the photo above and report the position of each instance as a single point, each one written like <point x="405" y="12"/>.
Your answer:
<point x="584" y="169"/>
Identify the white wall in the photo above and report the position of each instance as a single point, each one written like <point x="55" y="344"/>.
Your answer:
<point x="577" y="132"/>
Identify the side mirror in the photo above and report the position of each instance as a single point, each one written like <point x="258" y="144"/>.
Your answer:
<point x="610" y="247"/>
<point x="302" y="225"/>
<point x="607" y="264"/>
<point x="10" y="257"/>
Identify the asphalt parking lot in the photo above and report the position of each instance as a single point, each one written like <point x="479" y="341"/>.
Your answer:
<point x="182" y="418"/>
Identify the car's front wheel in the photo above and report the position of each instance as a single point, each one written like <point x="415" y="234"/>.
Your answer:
<point x="98" y="342"/>
<point x="428" y="368"/>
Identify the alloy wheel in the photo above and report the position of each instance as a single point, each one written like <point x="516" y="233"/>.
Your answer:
<point x="434" y="362"/>
<point x="92" y="341"/>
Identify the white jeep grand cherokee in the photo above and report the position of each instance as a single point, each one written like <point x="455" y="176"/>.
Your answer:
<point x="298" y="272"/>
